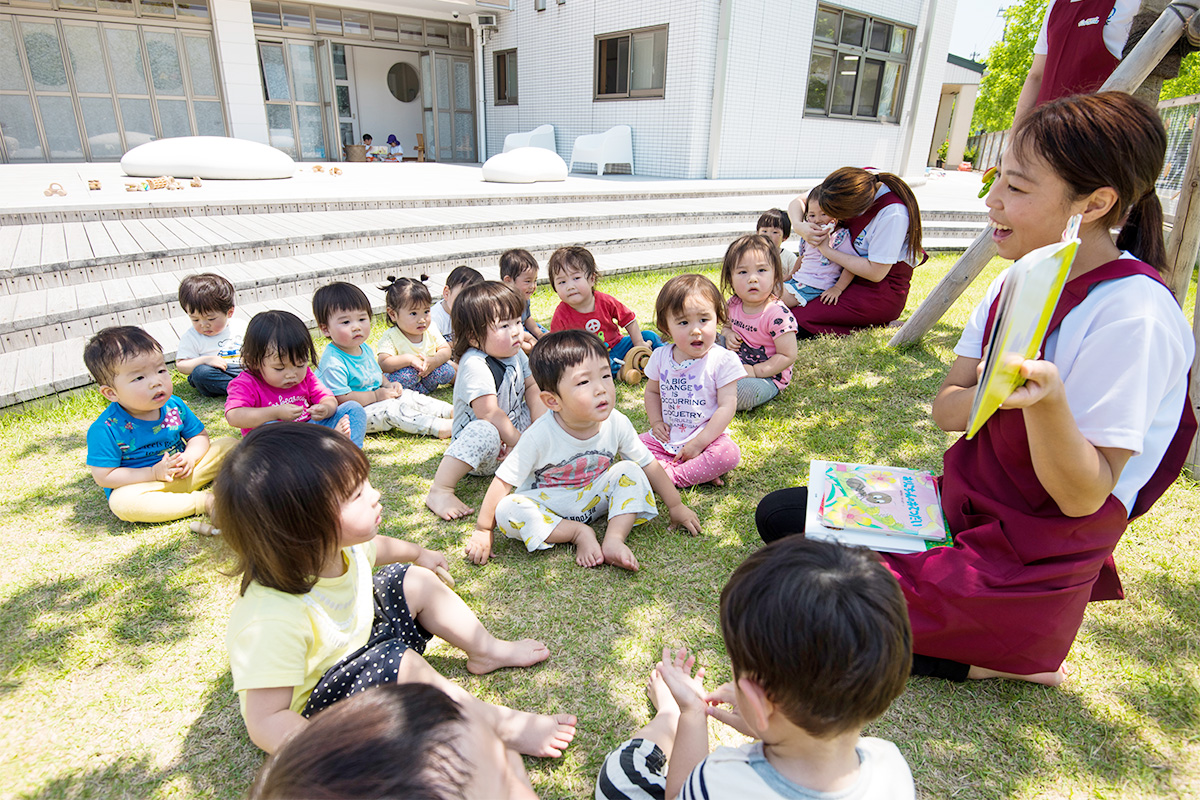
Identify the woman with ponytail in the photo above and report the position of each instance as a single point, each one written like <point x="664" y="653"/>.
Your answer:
<point x="885" y="226"/>
<point x="1038" y="499"/>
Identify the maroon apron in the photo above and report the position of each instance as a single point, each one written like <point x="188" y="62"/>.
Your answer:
<point x="864" y="304"/>
<point x="1010" y="594"/>
<point x="1077" y="62"/>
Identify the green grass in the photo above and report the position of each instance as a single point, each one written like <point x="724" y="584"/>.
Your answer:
<point x="114" y="680"/>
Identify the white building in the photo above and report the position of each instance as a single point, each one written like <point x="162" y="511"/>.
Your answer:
<point x="714" y="88"/>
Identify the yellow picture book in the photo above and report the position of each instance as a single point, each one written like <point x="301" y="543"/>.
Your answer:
<point x="1027" y="300"/>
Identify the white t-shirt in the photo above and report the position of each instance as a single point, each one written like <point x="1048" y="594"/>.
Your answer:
<point x="689" y="389"/>
<point x="885" y="238"/>
<point x="744" y="772"/>
<point x="1116" y="27"/>
<point x="441" y="319"/>
<point x="1124" y="355"/>
<point x="475" y="380"/>
<point x="547" y="457"/>
<point x="227" y="343"/>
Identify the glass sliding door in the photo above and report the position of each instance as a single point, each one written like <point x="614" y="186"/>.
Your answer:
<point x="448" y="97"/>
<point x="295" y="119"/>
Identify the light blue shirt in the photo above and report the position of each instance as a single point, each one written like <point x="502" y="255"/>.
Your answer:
<point x="343" y="373"/>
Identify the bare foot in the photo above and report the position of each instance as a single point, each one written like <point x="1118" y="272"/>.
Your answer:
<point x="660" y="696"/>
<point x="717" y="481"/>
<point x="619" y="555"/>
<point x="539" y="735"/>
<point x="1055" y="678"/>
<point x="446" y="504"/>
<point x="343" y="426"/>
<point x="587" y="548"/>
<point x="445" y="427"/>
<point x="503" y="653"/>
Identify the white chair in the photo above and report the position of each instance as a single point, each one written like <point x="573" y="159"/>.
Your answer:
<point x="614" y="146"/>
<point x="541" y="136"/>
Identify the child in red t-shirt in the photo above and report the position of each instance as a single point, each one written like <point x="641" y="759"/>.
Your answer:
<point x="573" y="275"/>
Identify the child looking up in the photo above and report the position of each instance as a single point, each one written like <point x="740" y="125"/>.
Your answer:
<point x="691" y="391"/>
<point x="775" y="225"/>
<point x="567" y="466"/>
<point x="350" y="370"/>
<point x="278" y="384"/>
<point x="818" y="276"/>
<point x="495" y="397"/>
<point x="519" y="269"/>
<point x="413" y="353"/>
<point x="573" y="275"/>
<point x="311" y="625"/>
<point x="147" y="450"/>
<point x="761" y="330"/>
<point x="209" y="352"/>
<point x="459" y="278"/>
<point x="819" y="642"/>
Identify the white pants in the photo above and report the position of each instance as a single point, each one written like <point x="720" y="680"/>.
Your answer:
<point x="411" y="412"/>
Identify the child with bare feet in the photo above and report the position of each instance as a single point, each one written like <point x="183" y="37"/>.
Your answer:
<point x="691" y="389"/>
<point x="450" y="744"/>
<point x="311" y="625"/>
<point x="567" y="468"/>
<point x="495" y="398"/>
<point x="819" y="642"/>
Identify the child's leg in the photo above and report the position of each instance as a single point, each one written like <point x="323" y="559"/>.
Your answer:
<point x="212" y="381"/>
<point x="753" y="392"/>
<point x="377" y="417"/>
<point x="474" y="450"/>
<point x="209" y="465"/>
<point x="154" y="501"/>
<point x="521" y="517"/>
<point x="408" y="377"/>
<point x="721" y="455"/>
<point x="441" y="376"/>
<point x="356" y="421"/>
<point x="630" y="503"/>
<point x="413" y="412"/>
<point x="618" y="353"/>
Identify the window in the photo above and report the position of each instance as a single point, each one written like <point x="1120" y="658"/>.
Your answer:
<point x="631" y="64"/>
<point x="858" y="66"/>
<point x="506" y="78"/>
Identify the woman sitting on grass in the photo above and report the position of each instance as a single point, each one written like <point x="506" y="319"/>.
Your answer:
<point x="1039" y="498"/>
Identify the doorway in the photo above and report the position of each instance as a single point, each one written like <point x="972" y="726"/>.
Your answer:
<point x="448" y="98"/>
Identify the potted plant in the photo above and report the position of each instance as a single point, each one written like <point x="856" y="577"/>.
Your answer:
<point x="942" y="151"/>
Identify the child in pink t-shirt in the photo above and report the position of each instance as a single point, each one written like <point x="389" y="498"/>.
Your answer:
<point x="691" y="395"/>
<point x="277" y="385"/>
<point x="761" y="329"/>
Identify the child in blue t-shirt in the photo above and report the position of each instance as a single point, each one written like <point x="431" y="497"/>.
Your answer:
<point x="350" y="370"/>
<point x="148" y="451"/>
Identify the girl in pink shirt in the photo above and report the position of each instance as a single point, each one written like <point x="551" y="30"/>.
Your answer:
<point x="277" y="385"/>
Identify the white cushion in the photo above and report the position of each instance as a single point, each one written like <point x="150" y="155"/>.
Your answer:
<point x="208" y="157"/>
<point x="525" y="165"/>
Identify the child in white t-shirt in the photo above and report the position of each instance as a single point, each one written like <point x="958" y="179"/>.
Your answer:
<point x="567" y="466"/>
<point x="209" y="352"/>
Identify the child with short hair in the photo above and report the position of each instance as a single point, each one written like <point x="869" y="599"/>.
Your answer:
<point x="776" y="226"/>
<point x="817" y="275"/>
<point x="147" y="450"/>
<point x="519" y="269"/>
<point x="567" y="467"/>
<point x="691" y="388"/>
<point x="820" y="644"/>
<point x="350" y="370"/>
<point x="495" y="398"/>
<point x="459" y="278"/>
<point x="209" y="353"/>
<point x="278" y="384"/>
<point x="761" y="329"/>
<point x="311" y="625"/>
<point x="412" y="352"/>
<point x="573" y="275"/>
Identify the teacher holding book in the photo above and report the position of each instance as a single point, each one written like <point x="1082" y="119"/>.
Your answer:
<point x="1039" y="498"/>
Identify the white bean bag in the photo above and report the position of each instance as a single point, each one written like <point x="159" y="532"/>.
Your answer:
<point x="525" y="165"/>
<point x="209" y="157"/>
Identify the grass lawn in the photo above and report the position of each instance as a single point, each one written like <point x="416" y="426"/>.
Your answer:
<point x="114" y="680"/>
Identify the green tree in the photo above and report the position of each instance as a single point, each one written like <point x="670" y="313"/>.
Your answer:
<point x="1007" y="65"/>
<point x="1188" y="81"/>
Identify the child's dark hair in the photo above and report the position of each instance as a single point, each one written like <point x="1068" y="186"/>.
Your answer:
<point x="565" y="259"/>
<point x="395" y="740"/>
<point x="775" y="218"/>
<point x="676" y="292"/>
<point x="279" y="496"/>
<point x="479" y="307"/>
<point x="402" y="293"/>
<point x="822" y="628"/>
<point x="557" y="352"/>
<point x="813" y="196"/>
<point x="338" y="296"/>
<point x="205" y="293"/>
<point x="1116" y="141"/>
<point x="280" y="332"/>
<point x="849" y="191"/>
<point x="515" y="262"/>
<point x="105" y="351"/>
<point x="463" y="275"/>
<point x="747" y="243"/>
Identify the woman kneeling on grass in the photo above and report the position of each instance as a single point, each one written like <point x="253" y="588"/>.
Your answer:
<point x="1039" y="498"/>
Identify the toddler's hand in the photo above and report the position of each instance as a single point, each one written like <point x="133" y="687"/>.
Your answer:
<point x="690" y="450"/>
<point x="183" y="467"/>
<point x="684" y="517"/>
<point x="431" y="560"/>
<point x="661" y="431"/>
<point x="830" y="296"/>
<point x="218" y="362"/>
<point x="676" y="672"/>
<point x="288" y="412"/>
<point x="479" y="547"/>
<point x="164" y="470"/>
<point x="321" y="411"/>
<point x="725" y="695"/>
<point x="732" y="341"/>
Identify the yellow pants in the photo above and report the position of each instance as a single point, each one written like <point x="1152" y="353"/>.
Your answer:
<point x="158" y="501"/>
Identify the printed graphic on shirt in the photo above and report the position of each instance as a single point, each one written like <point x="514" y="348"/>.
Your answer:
<point x="580" y="469"/>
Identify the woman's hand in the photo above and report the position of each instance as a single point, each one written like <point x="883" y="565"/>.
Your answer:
<point x="1041" y="381"/>
<point x="815" y="235"/>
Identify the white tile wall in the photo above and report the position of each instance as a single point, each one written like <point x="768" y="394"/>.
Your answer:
<point x="763" y="131"/>
<point x="237" y="57"/>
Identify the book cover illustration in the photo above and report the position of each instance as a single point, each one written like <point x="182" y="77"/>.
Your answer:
<point x="887" y="500"/>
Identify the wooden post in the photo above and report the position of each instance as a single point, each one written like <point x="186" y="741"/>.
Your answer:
<point x="1183" y="245"/>
<point x="1128" y="75"/>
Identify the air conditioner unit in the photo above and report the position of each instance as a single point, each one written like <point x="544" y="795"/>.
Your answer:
<point x="486" y="20"/>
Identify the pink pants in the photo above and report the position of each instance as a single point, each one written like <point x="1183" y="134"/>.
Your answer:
<point x="715" y="460"/>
